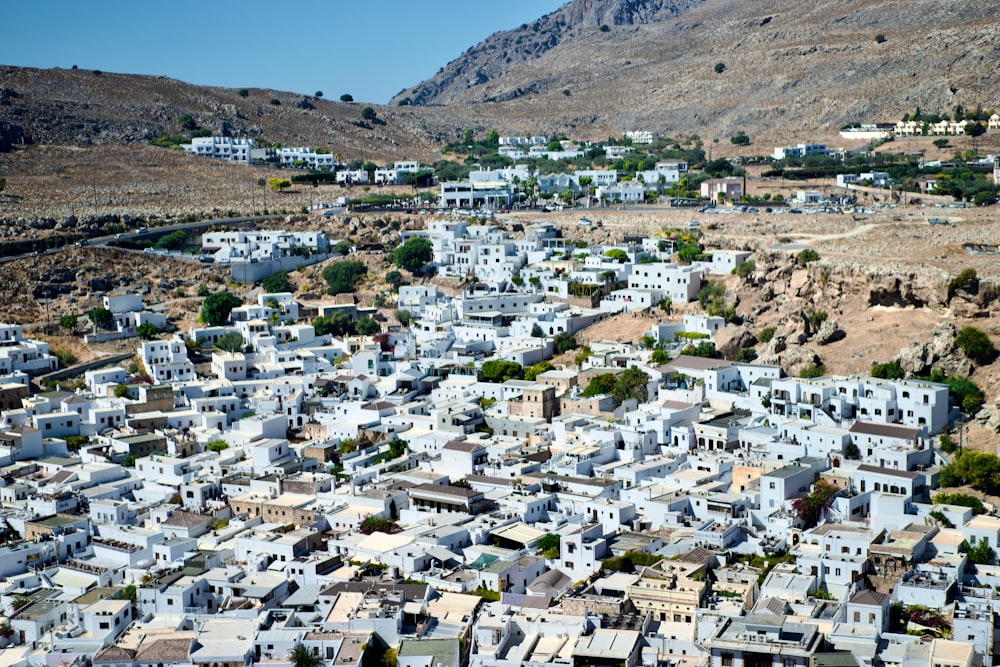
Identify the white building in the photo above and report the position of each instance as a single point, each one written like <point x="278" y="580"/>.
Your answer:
<point x="223" y="148"/>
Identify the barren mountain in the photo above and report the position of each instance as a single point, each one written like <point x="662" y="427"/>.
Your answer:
<point x="652" y="64"/>
<point x="84" y="107"/>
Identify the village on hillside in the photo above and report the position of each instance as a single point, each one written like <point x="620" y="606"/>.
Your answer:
<point x="295" y="480"/>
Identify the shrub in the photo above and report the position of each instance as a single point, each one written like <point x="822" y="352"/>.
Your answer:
<point x="890" y="370"/>
<point x="965" y="280"/>
<point x="965" y="393"/>
<point x="274" y="101"/>
<point x="961" y="500"/>
<point x="807" y="256"/>
<point x="746" y="356"/>
<point x="404" y="317"/>
<point x="720" y="68"/>
<point x="366" y="326"/>
<point x="548" y="546"/>
<point x="378" y="524"/>
<point x="564" y="342"/>
<point x="813" y="506"/>
<point x="817" y="317"/>
<point x="277" y="282"/>
<point x="147" y="330"/>
<point x="217" y="306"/>
<point x="368" y="113"/>
<point x="975" y="344"/>
<point x="341" y="277"/>
<point x="766" y="334"/>
<point x="605" y="27"/>
<point x="501" y="371"/>
<point x="394" y="279"/>
<point x="414" y="254"/>
<point x="812" y="371"/>
<point x="879" y="38"/>
<point x="705" y="349"/>
<point x="243" y="92"/>
<point x="533" y="371"/>
<point x="216" y="446"/>
<point x="65" y="357"/>
<point x="979" y="470"/>
<point x="740" y="139"/>
<point x="979" y="554"/>
<point x="947" y="443"/>
<point x="346" y="98"/>
<point x="745" y="268"/>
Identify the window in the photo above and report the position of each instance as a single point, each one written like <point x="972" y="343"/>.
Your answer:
<point x="727" y="660"/>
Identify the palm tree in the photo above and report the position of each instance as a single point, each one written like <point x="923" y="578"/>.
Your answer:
<point x="303" y="657"/>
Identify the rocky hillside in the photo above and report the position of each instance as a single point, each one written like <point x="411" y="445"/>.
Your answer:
<point x="83" y="107"/>
<point x="502" y="52"/>
<point x="625" y="64"/>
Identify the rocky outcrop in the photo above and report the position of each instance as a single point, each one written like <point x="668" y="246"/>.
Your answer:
<point x="940" y="352"/>
<point x="731" y="340"/>
<point x="12" y="135"/>
<point x="502" y="51"/>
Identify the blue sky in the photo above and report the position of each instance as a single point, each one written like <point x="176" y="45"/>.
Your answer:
<point x="369" y="49"/>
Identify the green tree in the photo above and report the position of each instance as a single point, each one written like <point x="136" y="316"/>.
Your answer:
<point x="532" y="372"/>
<point x="979" y="554"/>
<point x="617" y="254"/>
<point x="979" y="470"/>
<point x="890" y="370"/>
<point x="500" y="371"/>
<point x="68" y="322"/>
<point x="705" y="349"/>
<point x="404" y="317"/>
<point x="549" y="545"/>
<point x="318" y="93"/>
<point x="338" y="324"/>
<point x="740" y="139"/>
<point x="277" y="282"/>
<point x="172" y="241"/>
<point x="278" y="184"/>
<point x="975" y="344"/>
<point x="341" y="277"/>
<point x="217" y="306"/>
<point x="368" y="113"/>
<point x="961" y="500"/>
<point x="302" y="656"/>
<point x="366" y="326"/>
<point x="346" y="97"/>
<point x="147" y="330"/>
<point x="414" y="254"/>
<point x="807" y="256"/>
<point x="631" y="383"/>
<point x="564" y="342"/>
<point x="599" y="385"/>
<point x="102" y="318"/>
<point x="216" y="445"/>
<point x="231" y="341"/>
<point x="394" y="279"/>
<point x="940" y="143"/>
<point x="243" y="92"/>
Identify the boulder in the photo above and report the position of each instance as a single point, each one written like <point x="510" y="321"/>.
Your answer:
<point x="829" y="332"/>
<point x="730" y="340"/>
<point x="797" y="358"/>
